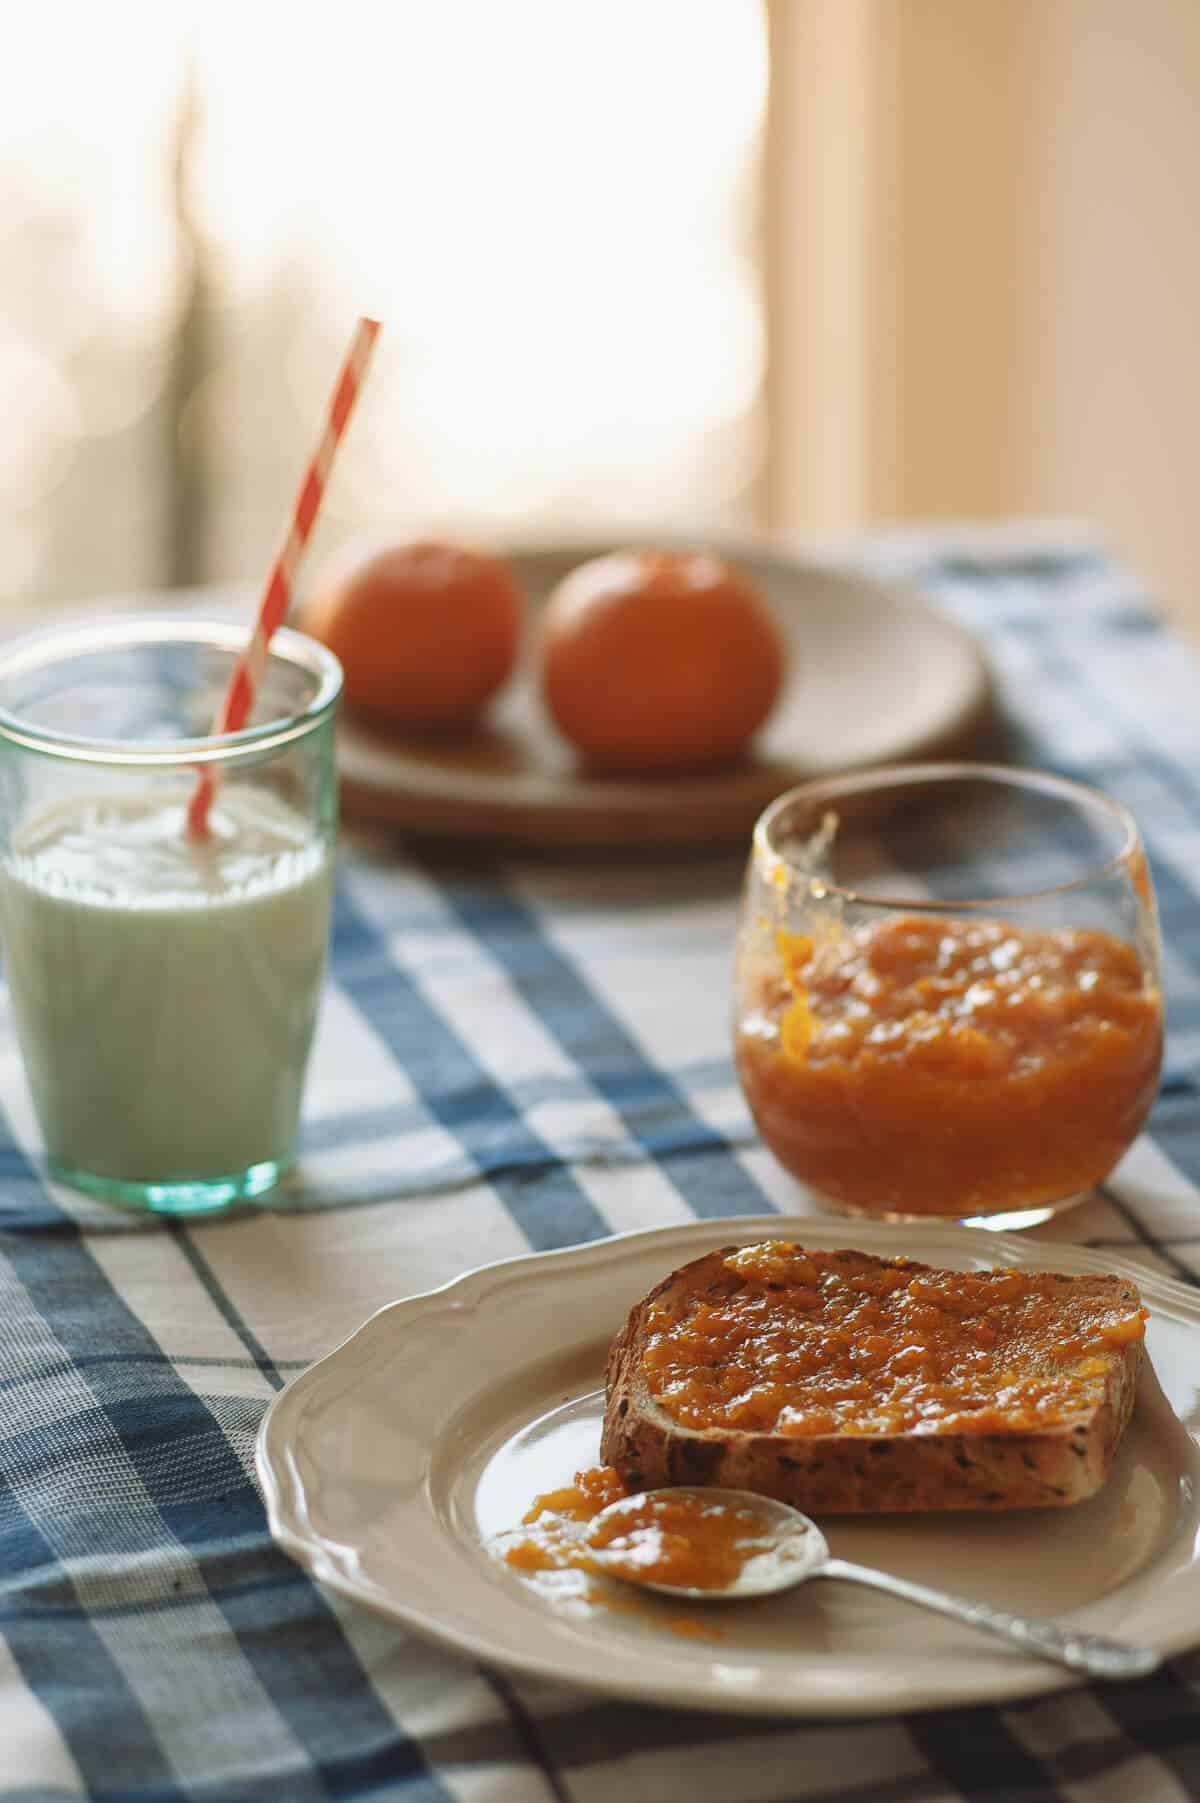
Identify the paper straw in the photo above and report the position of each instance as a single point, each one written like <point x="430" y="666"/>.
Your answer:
<point x="235" y="709"/>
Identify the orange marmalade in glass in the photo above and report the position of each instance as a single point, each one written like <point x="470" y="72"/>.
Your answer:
<point x="920" y="1065"/>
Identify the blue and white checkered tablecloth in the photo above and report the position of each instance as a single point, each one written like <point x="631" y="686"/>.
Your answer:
<point x="513" y="1055"/>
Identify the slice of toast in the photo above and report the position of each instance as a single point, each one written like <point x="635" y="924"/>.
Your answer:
<point x="843" y="1383"/>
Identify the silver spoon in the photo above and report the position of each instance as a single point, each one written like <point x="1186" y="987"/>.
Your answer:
<point x="790" y="1549"/>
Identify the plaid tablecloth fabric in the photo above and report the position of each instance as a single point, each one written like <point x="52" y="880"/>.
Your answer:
<point x="513" y="1055"/>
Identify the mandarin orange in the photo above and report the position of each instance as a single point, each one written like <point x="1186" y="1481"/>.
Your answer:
<point x="426" y="633"/>
<point x="659" y="660"/>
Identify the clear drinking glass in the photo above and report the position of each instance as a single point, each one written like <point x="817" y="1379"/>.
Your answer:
<point x="164" y="991"/>
<point x="947" y="993"/>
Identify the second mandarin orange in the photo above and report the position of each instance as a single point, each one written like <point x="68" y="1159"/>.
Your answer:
<point x="659" y="660"/>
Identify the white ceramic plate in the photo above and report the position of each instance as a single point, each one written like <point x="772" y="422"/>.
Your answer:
<point x="386" y="1465"/>
<point x="876" y="676"/>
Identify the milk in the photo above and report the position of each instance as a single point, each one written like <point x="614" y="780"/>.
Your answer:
<point x="165" y="991"/>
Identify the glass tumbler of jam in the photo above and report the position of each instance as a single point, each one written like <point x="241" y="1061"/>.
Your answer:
<point x="947" y="1000"/>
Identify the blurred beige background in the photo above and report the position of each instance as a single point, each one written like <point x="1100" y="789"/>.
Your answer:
<point x="985" y="268"/>
<point x="810" y="264"/>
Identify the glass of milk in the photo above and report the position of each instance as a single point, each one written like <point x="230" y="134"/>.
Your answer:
<point x="164" y="991"/>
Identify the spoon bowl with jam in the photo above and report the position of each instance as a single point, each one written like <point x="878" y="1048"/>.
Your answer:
<point x="710" y="1545"/>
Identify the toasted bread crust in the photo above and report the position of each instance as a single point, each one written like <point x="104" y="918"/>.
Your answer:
<point x="854" y="1474"/>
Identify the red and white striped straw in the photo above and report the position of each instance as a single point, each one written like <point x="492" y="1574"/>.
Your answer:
<point x="234" y="710"/>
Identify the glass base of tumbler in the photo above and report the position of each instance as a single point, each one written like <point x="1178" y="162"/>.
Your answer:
<point x="194" y="1196"/>
<point x="1015" y="1220"/>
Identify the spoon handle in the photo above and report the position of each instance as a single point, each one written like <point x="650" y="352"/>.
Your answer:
<point x="1089" y="1653"/>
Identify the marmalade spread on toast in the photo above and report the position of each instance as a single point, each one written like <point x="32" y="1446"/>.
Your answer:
<point x="798" y="1342"/>
<point x="927" y="1066"/>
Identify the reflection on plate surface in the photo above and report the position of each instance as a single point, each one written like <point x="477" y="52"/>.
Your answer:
<point x="1026" y="1560"/>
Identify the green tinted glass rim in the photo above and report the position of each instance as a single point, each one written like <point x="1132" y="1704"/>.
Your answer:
<point x="772" y="826"/>
<point x="51" y="645"/>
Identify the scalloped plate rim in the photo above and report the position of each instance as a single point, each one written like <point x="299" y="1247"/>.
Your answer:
<point x="291" y="1527"/>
